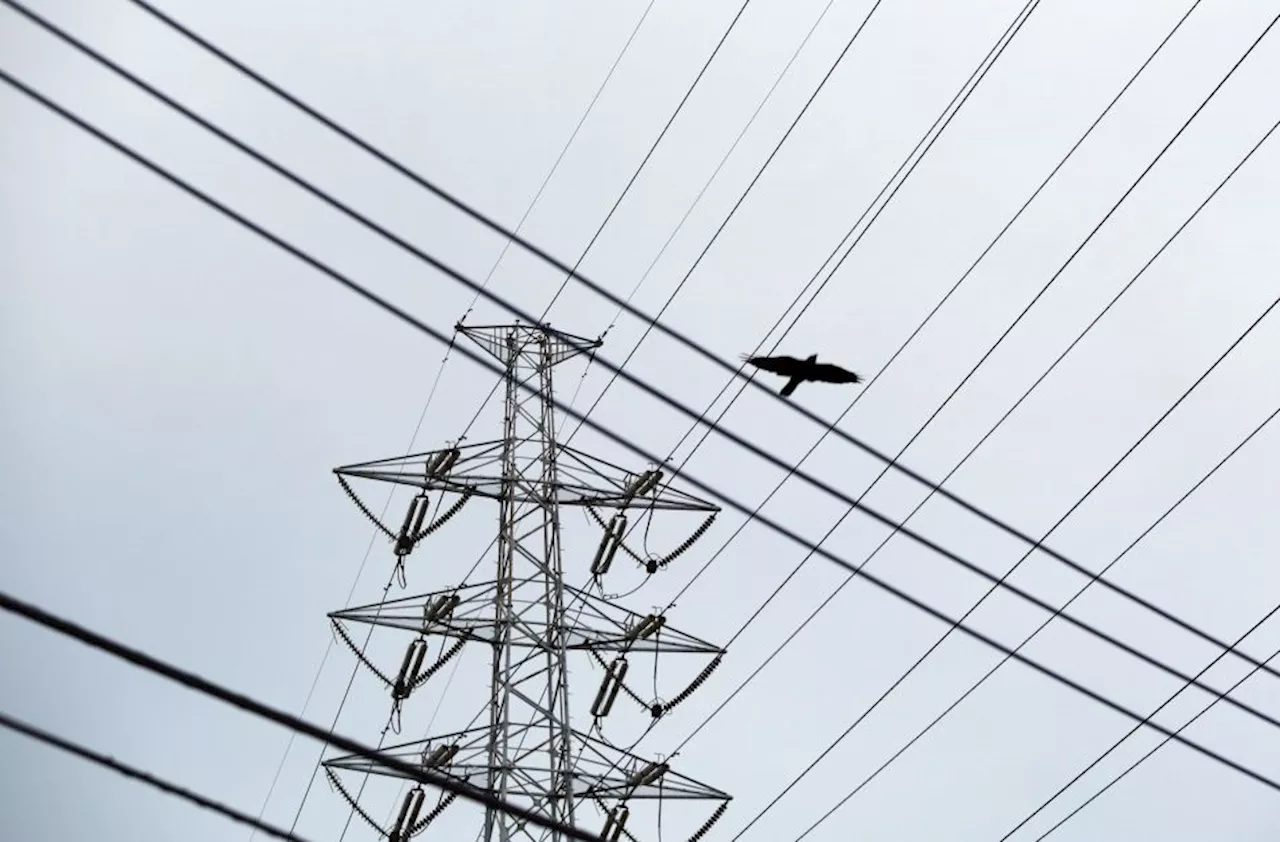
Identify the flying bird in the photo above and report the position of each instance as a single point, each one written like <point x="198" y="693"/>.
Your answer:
<point x="797" y="371"/>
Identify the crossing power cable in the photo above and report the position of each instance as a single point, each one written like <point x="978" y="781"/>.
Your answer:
<point x="972" y="688"/>
<point x="1152" y="751"/>
<point x="644" y="386"/>
<point x="8" y="603"/>
<point x="787" y="641"/>
<point x="678" y="336"/>
<point x="108" y="762"/>
<point x="1053" y="612"/>
<point x="1187" y="494"/>
<point x="206" y="687"/>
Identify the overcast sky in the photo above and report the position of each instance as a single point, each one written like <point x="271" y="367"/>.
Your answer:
<point x="176" y="391"/>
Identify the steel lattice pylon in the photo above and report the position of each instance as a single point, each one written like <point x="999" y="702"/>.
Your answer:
<point x="529" y="752"/>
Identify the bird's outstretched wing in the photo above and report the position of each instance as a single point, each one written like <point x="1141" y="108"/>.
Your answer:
<point x="828" y="373"/>
<point x="786" y="366"/>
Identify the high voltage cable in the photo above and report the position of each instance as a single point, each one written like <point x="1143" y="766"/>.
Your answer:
<point x="1147" y="756"/>
<point x="651" y="390"/>
<point x="678" y="336"/>
<point x="1093" y="577"/>
<point x="750" y="447"/>
<point x="202" y="685"/>
<point x="1256" y="430"/>
<point x="114" y="765"/>
<point x="494" y="368"/>
<point x="972" y="688"/>
<point x="732" y="211"/>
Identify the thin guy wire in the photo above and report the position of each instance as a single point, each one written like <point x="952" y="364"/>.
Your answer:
<point x="1050" y="619"/>
<point x="542" y="188"/>
<point x="114" y="765"/>
<point x="565" y="150"/>
<point x="625" y="190"/>
<point x="368" y="295"/>
<point x="676" y="335"/>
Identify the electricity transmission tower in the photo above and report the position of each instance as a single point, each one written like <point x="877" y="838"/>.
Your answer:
<point x="528" y="617"/>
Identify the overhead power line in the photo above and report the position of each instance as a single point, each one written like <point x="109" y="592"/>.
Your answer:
<point x="114" y="765"/>
<point x="792" y="636"/>
<point x="494" y="368"/>
<point x="974" y="687"/>
<point x="413" y="771"/>
<point x="678" y="336"/>
<point x="1152" y="751"/>
<point x="1163" y="516"/>
<point x="649" y="389"/>
<point x="1057" y="612"/>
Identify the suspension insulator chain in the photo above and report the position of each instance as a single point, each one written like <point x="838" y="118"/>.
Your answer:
<point x="707" y="825"/>
<point x="444" y="518"/>
<point x="683" y="548"/>
<point x="605" y="526"/>
<point x="336" y="784"/>
<point x="342" y="633"/>
<point x="660" y="709"/>
<point x="440" y="662"/>
<point x="435" y="812"/>
<point x="631" y="693"/>
<point x="362" y="507"/>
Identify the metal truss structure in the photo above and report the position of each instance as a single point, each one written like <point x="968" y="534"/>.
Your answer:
<point x="528" y="617"/>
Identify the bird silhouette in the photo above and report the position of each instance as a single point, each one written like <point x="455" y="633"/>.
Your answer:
<point x="798" y="371"/>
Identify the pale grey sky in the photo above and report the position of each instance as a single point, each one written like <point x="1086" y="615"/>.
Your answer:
<point x="176" y="391"/>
